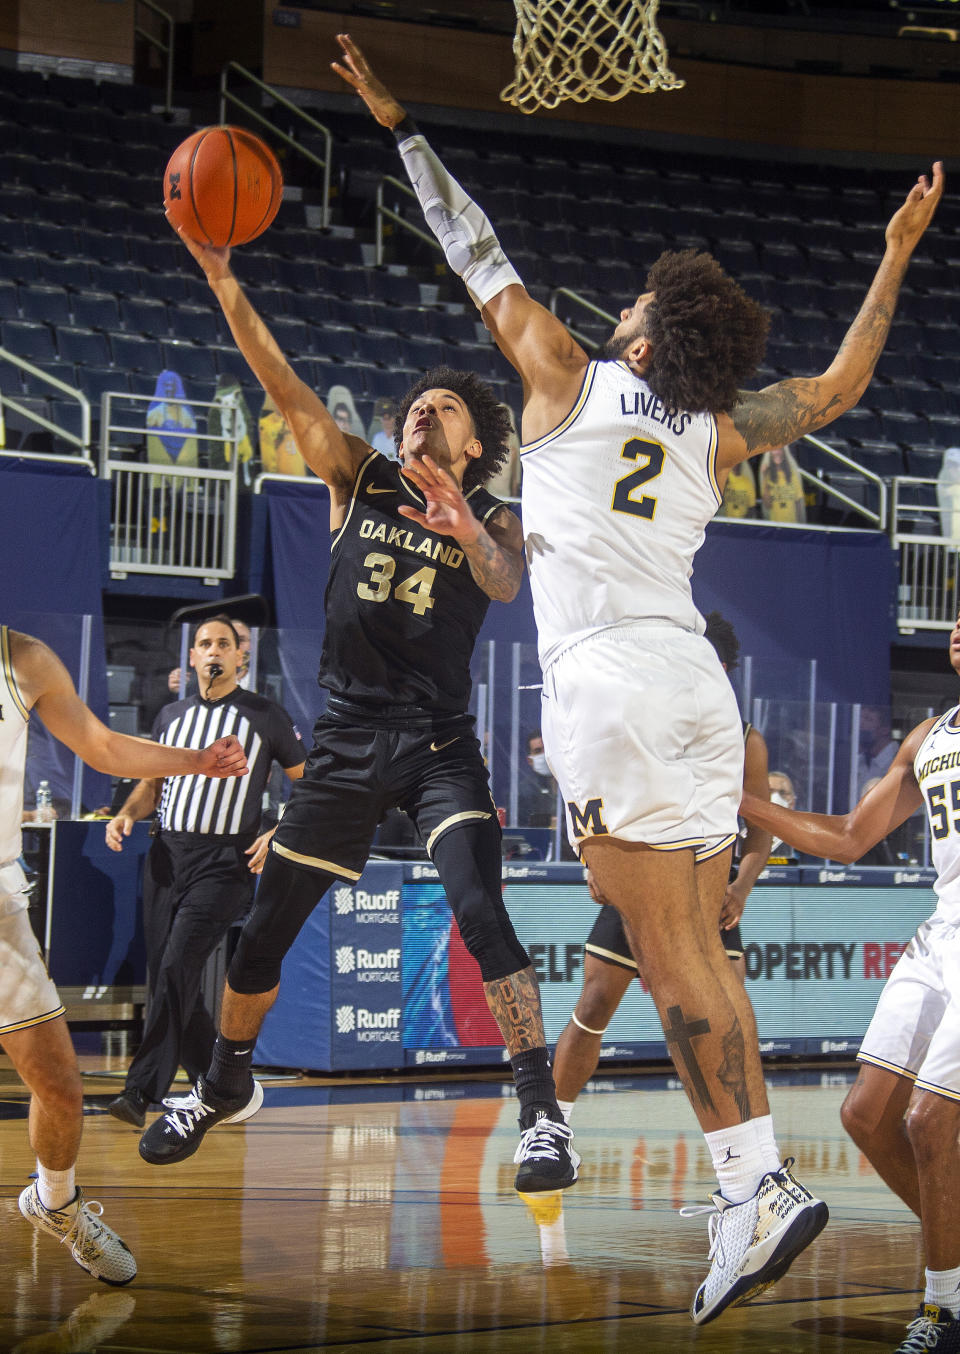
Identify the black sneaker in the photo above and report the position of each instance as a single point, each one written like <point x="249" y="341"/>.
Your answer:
<point x="933" y="1327"/>
<point x="177" y="1134"/>
<point x="545" y="1156"/>
<point x="131" y="1107"/>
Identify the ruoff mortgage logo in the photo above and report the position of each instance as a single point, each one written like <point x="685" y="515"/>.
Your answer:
<point x="370" y="966"/>
<point x="343" y="901"/>
<point x="370" y="1027"/>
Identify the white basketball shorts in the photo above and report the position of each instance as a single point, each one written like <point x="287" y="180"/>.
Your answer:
<point x="915" y="1029"/>
<point x="27" y="994"/>
<point x="642" y="733"/>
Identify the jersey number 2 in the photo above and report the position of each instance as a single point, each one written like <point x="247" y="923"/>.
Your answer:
<point x="414" y="590"/>
<point x="623" y="500"/>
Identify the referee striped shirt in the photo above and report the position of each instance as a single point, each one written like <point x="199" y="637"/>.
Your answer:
<point x="229" y="807"/>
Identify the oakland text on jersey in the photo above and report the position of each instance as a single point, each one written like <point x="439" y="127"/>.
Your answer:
<point x="651" y="406"/>
<point x="404" y="539"/>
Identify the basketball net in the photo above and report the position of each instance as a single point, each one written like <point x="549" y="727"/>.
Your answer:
<point x="586" y="49"/>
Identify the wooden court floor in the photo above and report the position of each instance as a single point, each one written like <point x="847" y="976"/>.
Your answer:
<point x="382" y="1218"/>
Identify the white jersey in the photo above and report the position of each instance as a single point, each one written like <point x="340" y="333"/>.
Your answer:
<point x="937" y="769"/>
<point x="615" y="503"/>
<point x="13" y="754"/>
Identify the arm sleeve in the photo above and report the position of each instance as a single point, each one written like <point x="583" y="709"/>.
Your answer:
<point x="467" y="238"/>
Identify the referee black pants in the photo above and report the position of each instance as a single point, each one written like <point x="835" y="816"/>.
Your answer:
<point x="194" y="888"/>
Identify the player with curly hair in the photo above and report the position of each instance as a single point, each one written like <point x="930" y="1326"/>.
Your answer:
<point x="624" y="462"/>
<point x="418" y="550"/>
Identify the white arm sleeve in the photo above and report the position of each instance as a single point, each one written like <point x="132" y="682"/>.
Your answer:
<point x="466" y="236"/>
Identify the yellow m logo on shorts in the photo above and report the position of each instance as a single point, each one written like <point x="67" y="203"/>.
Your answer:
<point x="588" y="821"/>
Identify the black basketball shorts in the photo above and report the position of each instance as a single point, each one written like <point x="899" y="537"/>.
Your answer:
<point x="356" y="772"/>
<point x="608" y="940"/>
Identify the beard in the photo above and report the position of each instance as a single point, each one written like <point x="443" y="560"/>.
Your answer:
<point x="611" y="349"/>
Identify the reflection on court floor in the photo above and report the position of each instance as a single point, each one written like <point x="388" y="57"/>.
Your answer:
<point x="383" y="1218"/>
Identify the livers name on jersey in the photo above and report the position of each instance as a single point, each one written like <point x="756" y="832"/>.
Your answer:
<point x="649" y="406"/>
<point x="403" y="539"/>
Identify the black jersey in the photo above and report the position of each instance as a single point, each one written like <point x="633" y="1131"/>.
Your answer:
<point x="402" y="609"/>
<point x="230" y="806"/>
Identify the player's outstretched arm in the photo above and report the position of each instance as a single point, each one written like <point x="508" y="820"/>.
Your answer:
<point x="494" y="552"/>
<point x="330" y="453"/>
<point x="47" y="687"/>
<point x="773" y="417"/>
<point x="531" y="338"/>
<point x="846" y="837"/>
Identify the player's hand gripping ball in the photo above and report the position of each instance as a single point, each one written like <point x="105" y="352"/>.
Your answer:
<point x="222" y="186"/>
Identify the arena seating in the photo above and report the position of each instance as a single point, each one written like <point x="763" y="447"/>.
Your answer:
<point x="93" y="284"/>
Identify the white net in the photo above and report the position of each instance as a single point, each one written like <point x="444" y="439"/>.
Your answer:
<point x="586" y="49"/>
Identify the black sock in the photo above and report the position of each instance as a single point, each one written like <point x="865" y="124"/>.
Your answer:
<point x="534" y="1082"/>
<point x="229" y="1074"/>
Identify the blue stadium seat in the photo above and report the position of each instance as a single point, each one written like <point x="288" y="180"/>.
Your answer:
<point x="103" y="246"/>
<point x="31" y="341"/>
<point x="95" y="380"/>
<point x="136" y="353"/>
<point x="83" y="347"/>
<point x="9" y="300"/>
<point x="198" y="324"/>
<point x="96" y="310"/>
<point x="145" y="315"/>
<point x="49" y="305"/>
<point x="195" y="364"/>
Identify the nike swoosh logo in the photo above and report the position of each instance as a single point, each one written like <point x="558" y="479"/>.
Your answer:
<point x="438" y="747"/>
<point x="371" y="490"/>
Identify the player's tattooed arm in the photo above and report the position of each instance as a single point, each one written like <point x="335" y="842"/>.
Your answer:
<point x="775" y="416"/>
<point x="765" y="419"/>
<point x="495" y="557"/>
<point x="514" y="1003"/>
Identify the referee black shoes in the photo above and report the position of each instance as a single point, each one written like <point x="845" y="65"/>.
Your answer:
<point x="177" y="1134"/>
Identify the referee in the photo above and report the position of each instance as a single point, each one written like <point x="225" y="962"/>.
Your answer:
<point x="200" y="871"/>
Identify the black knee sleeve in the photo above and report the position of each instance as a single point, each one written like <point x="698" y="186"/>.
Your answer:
<point x="285" y="898"/>
<point x="468" y="860"/>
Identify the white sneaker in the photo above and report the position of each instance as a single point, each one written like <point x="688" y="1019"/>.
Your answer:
<point x="95" y="1246"/>
<point x="753" y="1244"/>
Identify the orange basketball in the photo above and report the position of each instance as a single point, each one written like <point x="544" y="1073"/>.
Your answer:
<point x="222" y="186"/>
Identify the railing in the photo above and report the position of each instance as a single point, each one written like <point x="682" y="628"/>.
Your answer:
<point x="929" y="593"/>
<point x="82" y="442"/>
<point x="169" y="519"/>
<point x="385" y="213"/>
<point x="582" y="301"/>
<point x="271" y="477"/>
<point x="164" y="48"/>
<point x="876" y="519"/>
<point x="227" y="96"/>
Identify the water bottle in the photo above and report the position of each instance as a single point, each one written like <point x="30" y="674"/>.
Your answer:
<point x="45" y="811"/>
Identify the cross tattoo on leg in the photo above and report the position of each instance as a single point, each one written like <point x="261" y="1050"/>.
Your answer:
<point x="680" y="1035"/>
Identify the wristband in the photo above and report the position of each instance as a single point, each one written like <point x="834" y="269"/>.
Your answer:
<point x="405" y="128"/>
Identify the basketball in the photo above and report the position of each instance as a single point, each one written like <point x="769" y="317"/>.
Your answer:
<point x="222" y="186"/>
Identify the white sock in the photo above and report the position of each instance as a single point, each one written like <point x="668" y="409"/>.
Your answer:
<point x="566" y="1109"/>
<point x="742" y="1155"/>
<point x="55" y="1188"/>
<point x="943" y="1288"/>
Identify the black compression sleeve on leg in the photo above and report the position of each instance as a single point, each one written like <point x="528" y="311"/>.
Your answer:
<point x="468" y="861"/>
<point x="286" y="897"/>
